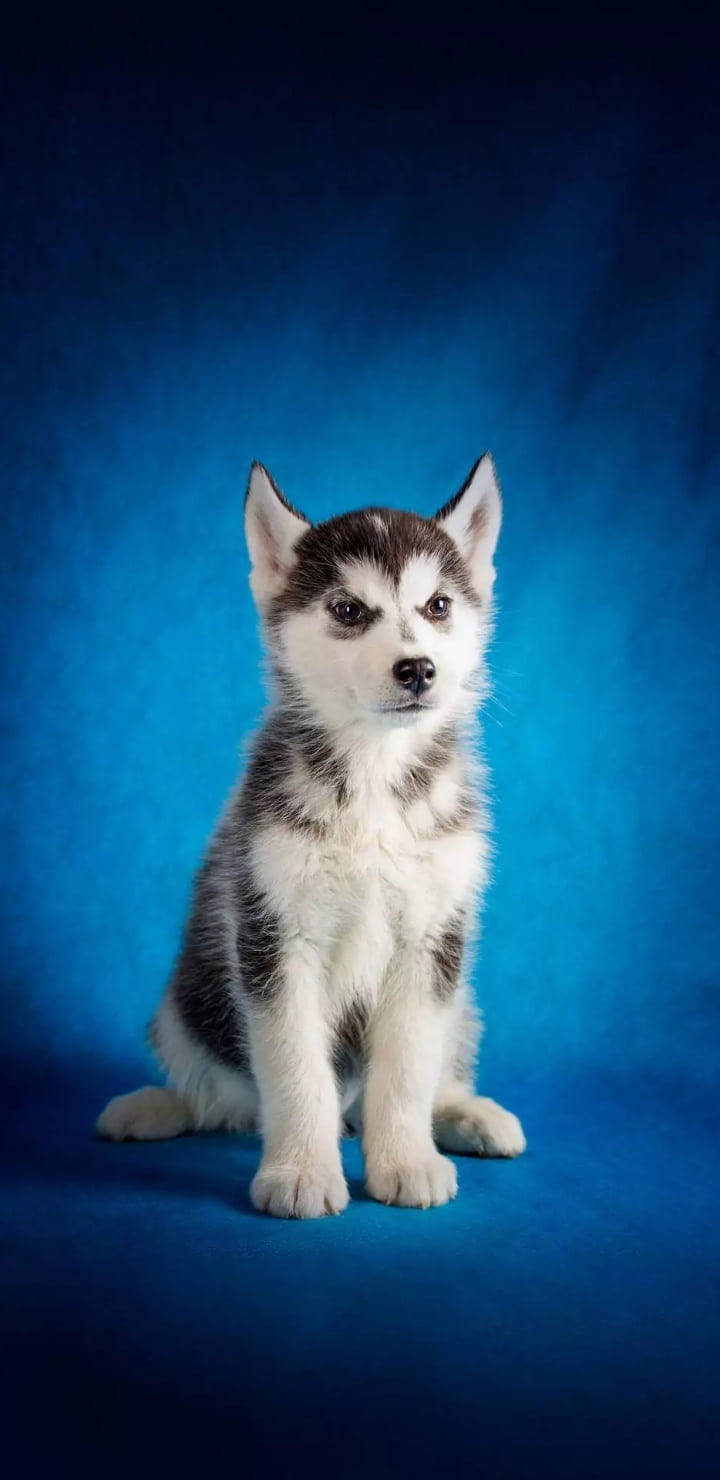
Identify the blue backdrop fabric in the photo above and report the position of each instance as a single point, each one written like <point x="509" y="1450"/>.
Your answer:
<point x="363" y="252"/>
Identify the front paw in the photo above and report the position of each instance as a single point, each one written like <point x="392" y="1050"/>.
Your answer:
<point x="422" y="1182"/>
<point x="296" y="1190"/>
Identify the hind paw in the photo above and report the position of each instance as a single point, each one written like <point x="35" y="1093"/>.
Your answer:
<point x="149" y="1114"/>
<point x="479" y="1127"/>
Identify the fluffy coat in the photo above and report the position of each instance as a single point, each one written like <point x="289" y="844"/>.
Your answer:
<point x="322" y="979"/>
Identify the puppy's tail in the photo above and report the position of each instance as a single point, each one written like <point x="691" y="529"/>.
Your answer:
<point x="149" y="1114"/>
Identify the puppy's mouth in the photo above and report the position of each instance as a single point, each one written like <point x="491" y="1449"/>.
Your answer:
<point x="415" y="707"/>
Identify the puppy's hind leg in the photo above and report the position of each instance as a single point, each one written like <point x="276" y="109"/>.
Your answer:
<point x="471" y="1125"/>
<point x="464" y="1123"/>
<point x="149" y="1114"/>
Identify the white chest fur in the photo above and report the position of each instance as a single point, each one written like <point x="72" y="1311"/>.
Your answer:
<point x="377" y="879"/>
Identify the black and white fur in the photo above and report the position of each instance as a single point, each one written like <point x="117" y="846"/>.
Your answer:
<point x="322" y="976"/>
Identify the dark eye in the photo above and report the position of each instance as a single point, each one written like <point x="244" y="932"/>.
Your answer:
<point x="348" y="612"/>
<point x="438" y="608"/>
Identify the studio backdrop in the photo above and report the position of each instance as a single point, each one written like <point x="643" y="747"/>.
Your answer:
<point x="363" y="255"/>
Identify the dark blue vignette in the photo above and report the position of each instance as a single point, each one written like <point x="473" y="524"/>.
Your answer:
<point x="364" y="252"/>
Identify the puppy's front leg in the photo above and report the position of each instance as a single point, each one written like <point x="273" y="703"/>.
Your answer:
<point x="300" y="1175"/>
<point x="402" y="1163"/>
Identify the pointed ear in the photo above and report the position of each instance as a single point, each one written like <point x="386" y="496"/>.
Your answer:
<point x="272" y="530"/>
<point x="472" y="519"/>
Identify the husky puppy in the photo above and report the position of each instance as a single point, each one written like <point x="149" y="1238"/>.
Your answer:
<point x="322" y="977"/>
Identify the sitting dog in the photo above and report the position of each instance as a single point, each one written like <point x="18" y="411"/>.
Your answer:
<point x="322" y="978"/>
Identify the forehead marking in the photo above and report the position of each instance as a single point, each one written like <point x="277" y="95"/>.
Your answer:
<point x="420" y="579"/>
<point x="363" y="578"/>
<point x="388" y="544"/>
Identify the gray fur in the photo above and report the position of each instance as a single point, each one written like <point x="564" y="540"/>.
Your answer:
<point x="360" y="787"/>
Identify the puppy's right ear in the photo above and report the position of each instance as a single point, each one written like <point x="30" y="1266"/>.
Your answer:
<point x="272" y="530"/>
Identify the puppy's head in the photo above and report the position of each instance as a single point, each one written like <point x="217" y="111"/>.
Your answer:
<point x="379" y="616"/>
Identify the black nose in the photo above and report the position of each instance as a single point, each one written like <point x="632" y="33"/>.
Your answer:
<point x="414" y="673"/>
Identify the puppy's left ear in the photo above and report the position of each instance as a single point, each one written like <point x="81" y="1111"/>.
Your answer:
<point x="473" y="518"/>
<point x="272" y="530"/>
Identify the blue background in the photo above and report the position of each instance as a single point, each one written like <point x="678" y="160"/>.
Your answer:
<point x="363" y="252"/>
